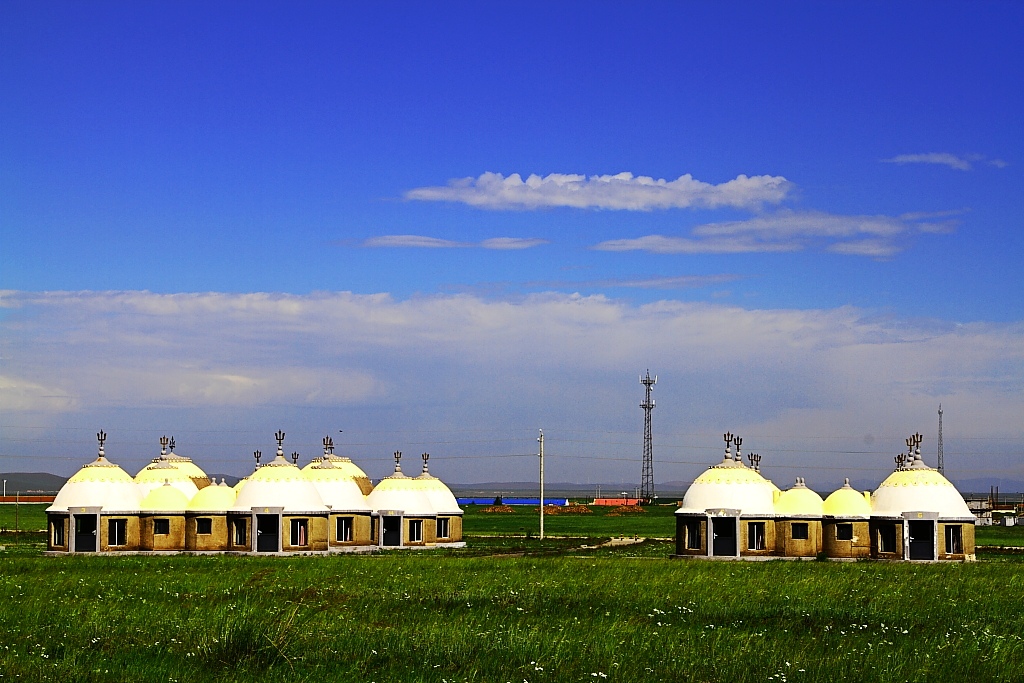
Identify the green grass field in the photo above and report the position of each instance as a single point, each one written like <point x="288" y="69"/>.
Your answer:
<point x="509" y="608"/>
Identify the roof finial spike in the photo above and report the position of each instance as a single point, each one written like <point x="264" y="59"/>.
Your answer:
<point x="327" y="443"/>
<point x="739" y="454"/>
<point x="426" y="457"/>
<point x="279" y="435"/>
<point x="398" y="462"/>
<point x="257" y="455"/>
<point x="846" y="482"/>
<point x="295" y="458"/>
<point x="171" y="443"/>
<point x="163" y="445"/>
<point x="101" y="436"/>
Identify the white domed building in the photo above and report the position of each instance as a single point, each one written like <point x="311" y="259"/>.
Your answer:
<point x="413" y="511"/>
<point x="97" y="509"/>
<point x="350" y="524"/>
<point x="731" y="511"/>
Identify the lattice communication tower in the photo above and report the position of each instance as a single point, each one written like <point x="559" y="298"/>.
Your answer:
<point x="647" y="477"/>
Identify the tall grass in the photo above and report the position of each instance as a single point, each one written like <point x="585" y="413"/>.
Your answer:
<point x="448" y="617"/>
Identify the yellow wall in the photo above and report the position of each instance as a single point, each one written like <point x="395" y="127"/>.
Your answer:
<point x="787" y="546"/>
<point x="316" y="534"/>
<point x="859" y="546"/>
<point x="175" y="540"/>
<point x="217" y="539"/>
<point x="769" y="537"/>
<point x="132" y="535"/>
<point x="360" y="530"/>
<point x="967" y="536"/>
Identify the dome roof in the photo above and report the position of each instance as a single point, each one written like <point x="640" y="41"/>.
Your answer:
<point x="336" y="487"/>
<point x="166" y="498"/>
<point x="155" y="474"/>
<point x="399" y="492"/>
<point x="184" y="464"/>
<point x="799" y="501"/>
<point x="213" y="498"/>
<point x="731" y="485"/>
<point x="919" y="489"/>
<point x="279" y="483"/>
<point x="345" y="466"/>
<point x="440" y="496"/>
<point x="847" y="502"/>
<point x="101" y="484"/>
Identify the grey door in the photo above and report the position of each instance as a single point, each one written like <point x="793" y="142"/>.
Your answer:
<point x="724" y="531"/>
<point x="391" y="533"/>
<point x="922" y="540"/>
<point x="85" y="533"/>
<point x="267" y="529"/>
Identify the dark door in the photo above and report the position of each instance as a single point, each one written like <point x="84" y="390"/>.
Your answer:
<point x="85" y="533"/>
<point x="724" y="530"/>
<point x="392" y="531"/>
<point x="922" y="540"/>
<point x="267" y="529"/>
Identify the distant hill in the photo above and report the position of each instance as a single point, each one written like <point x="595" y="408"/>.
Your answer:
<point x="32" y="482"/>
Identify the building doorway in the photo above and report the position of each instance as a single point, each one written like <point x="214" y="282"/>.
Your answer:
<point x="391" y="531"/>
<point x="724" y="532"/>
<point x="922" y="539"/>
<point x="267" y="531"/>
<point x="85" y="533"/>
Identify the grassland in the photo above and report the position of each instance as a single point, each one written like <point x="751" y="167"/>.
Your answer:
<point x="508" y="608"/>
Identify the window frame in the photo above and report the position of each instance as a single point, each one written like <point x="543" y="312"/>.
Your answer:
<point x="443" y="527"/>
<point x="162" y="526"/>
<point x="299" y="527"/>
<point x="57" y="535"/>
<point x="844" y="529"/>
<point x="204" y="522"/>
<point x="344" y="529"/>
<point x="117" y="530"/>
<point x="756" y="536"/>
<point x="954" y="537"/>
<point x="802" y="528"/>
<point x="415" y="531"/>
<point x="693" y="541"/>
<point x="887" y="536"/>
<point x="239" y="533"/>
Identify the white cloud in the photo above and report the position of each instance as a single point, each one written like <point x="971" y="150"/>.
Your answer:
<point x="421" y="242"/>
<point x="786" y="230"/>
<point x="960" y="163"/>
<point x="511" y="243"/>
<point x="622" y="191"/>
<point x="415" y="241"/>
<point x="443" y="365"/>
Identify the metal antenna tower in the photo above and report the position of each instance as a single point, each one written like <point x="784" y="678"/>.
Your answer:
<point x="942" y="464"/>
<point x="647" y="477"/>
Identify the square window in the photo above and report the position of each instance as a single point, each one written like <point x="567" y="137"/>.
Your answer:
<point x="161" y="527"/>
<point x="799" y="531"/>
<point x="442" y="527"/>
<point x="755" y="536"/>
<point x="844" y="532"/>
<point x="344" y="530"/>
<point x="693" y="534"/>
<point x="240" y="535"/>
<point x="204" y="525"/>
<point x="954" y="539"/>
<point x="117" y="531"/>
<point x="415" y="530"/>
<point x="300" y="529"/>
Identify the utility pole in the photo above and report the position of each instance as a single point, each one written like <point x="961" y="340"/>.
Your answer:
<point x="647" y="476"/>
<point x="942" y="464"/>
<point x="540" y="439"/>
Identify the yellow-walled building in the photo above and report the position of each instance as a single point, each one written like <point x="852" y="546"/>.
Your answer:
<point x="732" y="512"/>
<point x="172" y="506"/>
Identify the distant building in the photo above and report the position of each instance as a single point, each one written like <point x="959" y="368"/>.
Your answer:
<point x="171" y="506"/>
<point x="731" y="511"/>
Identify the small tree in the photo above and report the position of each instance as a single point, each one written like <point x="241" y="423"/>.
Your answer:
<point x="497" y="500"/>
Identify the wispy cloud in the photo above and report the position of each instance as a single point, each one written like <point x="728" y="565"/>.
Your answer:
<point x="785" y="230"/>
<point x="660" y="282"/>
<point x="422" y="242"/>
<point x="960" y="163"/>
<point x="237" y="366"/>
<point x="622" y="191"/>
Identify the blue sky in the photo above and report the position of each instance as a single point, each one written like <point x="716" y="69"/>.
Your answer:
<point x="230" y="219"/>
